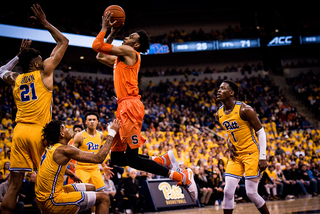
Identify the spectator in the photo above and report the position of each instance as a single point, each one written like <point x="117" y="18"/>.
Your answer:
<point x="27" y="193"/>
<point x="217" y="191"/>
<point x="307" y="181"/>
<point x="111" y="190"/>
<point x="201" y="179"/>
<point x="279" y="150"/>
<point x="129" y="188"/>
<point x="270" y="182"/>
<point x="279" y="180"/>
<point x="289" y="181"/>
<point x="3" y="189"/>
<point x="6" y="121"/>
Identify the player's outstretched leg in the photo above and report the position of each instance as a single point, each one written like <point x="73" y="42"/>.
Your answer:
<point x="186" y="180"/>
<point x="168" y="160"/>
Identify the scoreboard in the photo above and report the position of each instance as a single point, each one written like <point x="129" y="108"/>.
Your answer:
<point x="215" y="45"/>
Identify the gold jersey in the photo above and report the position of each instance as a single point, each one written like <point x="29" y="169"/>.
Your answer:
<point x="90" y="144"/>
<point x="33" y="99"/>
<point x="50" y="175"/>
<point x="240" y="133"/>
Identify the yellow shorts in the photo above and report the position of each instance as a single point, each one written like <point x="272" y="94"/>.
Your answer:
<point x="245" y="165"/>
<point x="67" y="201"/>
<point x="91" y="175"/>
<point x="27" y="147"/>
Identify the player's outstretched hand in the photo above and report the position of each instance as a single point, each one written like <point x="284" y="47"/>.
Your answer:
<point x="115" y="125"/>
<point x="39" y="15"/>
<point x="107" y="171"/>
<point x="24" y="45"/>
<point x="262" y="165"/>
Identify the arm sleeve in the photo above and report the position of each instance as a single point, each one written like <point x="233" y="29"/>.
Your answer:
<point x="10" y="65"/>
<point x="98" y="44"/>
<point x="263" y="143"/>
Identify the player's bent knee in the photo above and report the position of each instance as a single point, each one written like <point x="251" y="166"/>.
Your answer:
<point x="90" y="187"/>
<point x="102" y="197"/>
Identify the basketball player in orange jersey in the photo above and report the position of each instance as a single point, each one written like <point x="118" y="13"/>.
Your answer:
<point x="33" y="96"/>
<point x="125" y="61"/>
<point x="247" y="153"/>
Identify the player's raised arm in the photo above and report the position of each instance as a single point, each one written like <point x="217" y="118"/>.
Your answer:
<point x="100" y="46"/>
<point x="62" y="42"/>
<point x="105" y="58"/>
<point x="5" y="71"/>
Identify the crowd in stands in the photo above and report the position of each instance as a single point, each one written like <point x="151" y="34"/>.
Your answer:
<point x="307" y="88"/>
<point x="302" y="64"/>
<point x="196" y="72"/>
<point x="179" y="117"/>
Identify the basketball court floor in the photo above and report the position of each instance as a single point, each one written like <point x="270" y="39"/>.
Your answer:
<point x="291" y="206"/>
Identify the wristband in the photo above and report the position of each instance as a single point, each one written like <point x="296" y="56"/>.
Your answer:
<point x="111" y="132"/>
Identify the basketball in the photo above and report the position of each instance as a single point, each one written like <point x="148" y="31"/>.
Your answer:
<point x="118" y="14"/>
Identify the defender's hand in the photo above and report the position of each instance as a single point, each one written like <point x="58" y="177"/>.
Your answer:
<point x="76" y="178"/>
<point x="24" y="45"/>
<point x="39" y="15"/>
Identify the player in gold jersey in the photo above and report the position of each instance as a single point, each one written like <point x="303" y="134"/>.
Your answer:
<point x="33" y="96"/>
<point x="51" y="196"/>
<point x="89" y="140"/>
<point x="247" y="152"/>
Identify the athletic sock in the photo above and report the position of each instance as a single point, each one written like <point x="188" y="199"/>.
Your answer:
<point x="176" y="176"/>
<point x="159" y="160"/>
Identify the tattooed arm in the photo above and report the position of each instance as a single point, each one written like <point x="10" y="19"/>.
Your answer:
<point x="64" y="153"/>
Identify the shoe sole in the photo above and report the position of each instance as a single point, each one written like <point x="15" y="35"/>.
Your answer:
<point x="174" y="164"/>
<point x="194" y="196"/>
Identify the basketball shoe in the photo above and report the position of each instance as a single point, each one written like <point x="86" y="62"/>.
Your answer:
<point x="168" y="160"/>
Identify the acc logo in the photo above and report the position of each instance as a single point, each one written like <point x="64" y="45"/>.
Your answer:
<point x="92" y="146"/>
<point x="281" y="40"/>
<point x="134" y="139"/>
<point x="170" y="192"/>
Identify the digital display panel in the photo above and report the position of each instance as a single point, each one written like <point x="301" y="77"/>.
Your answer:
<point x="215" y="45"/>
<point x="309" y="39"/>
<point x="238" y="43"/>
<point x="192" y="46"/>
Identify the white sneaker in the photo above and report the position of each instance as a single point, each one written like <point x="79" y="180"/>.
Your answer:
<point x="170" y="161"/>
<point x="189" y="184"/>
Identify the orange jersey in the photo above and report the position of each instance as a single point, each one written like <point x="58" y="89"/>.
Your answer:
<point x="126" y="78"/>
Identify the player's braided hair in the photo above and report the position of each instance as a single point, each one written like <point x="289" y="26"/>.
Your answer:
<point x="26" y="56"/>
<point x="144" y="41"/>
<point x="51" y="132"/>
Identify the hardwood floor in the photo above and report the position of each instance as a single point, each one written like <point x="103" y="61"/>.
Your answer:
<point x="291" y="206"/>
